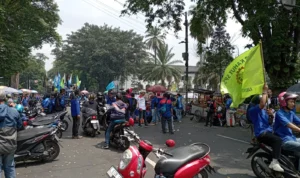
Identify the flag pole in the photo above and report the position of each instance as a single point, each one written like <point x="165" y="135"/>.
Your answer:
<point x="262" y="60"/>
<point x="263" y="64"/>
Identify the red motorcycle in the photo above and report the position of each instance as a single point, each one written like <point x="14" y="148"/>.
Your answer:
<point x="192" y="161"/>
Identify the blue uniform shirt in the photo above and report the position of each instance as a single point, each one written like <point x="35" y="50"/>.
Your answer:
<point x="168" y="113"/>
<point x="75" y="107"/>
<point x="282" y="119"/>
<point x="260" y="120"/>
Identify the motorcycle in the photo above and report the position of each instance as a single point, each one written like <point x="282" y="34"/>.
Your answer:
<point x="63" y="122"/>
<point x="261" y="160"/>
<point x="183" y="162"/>
<point x="90" y="124"/>
<point x="119" y="136"/>
<point x="55" y="121"/>
<point x="37" y="144"/>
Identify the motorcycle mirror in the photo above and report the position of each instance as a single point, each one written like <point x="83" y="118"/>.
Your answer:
<point x="170" y="143"/>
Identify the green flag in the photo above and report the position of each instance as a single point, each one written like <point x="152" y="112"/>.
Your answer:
<point x="244" y="76"/>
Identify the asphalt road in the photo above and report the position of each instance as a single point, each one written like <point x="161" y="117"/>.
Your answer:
<point x="85" y="158"/>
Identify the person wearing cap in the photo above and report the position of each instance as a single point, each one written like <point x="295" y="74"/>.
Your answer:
<point x="10" y="121"/>
<point x="10" y="103"/>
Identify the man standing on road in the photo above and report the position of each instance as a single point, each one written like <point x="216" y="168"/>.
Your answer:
<point x="210" y="110"/>
<point x="75" y="112"/>
<point x="10" y="121"/>
<point x="141" y="105"/>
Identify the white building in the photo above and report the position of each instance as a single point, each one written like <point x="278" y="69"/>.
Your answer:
<point x="133" y="81"/>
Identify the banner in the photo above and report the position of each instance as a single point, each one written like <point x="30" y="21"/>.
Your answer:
<point x="244" y="76"/>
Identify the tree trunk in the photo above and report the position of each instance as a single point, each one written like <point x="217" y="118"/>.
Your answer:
<point x="15" y="81"/>
<point x="155" y="62"/>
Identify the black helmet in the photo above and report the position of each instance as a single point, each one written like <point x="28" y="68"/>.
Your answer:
<point x="99" y="94"/>
<point x="119" y="96"/>
<point x="256" y="99"/>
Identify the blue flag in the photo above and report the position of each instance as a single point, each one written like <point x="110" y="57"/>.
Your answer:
<point x="110" y="86"/>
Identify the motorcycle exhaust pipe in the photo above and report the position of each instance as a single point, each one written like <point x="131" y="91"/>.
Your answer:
<point x="264" y="166"/>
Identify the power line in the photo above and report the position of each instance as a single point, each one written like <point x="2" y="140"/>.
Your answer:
<point x="113" y="15"/>
<point x="180" y="37"/>
<point x="117" y="11"/>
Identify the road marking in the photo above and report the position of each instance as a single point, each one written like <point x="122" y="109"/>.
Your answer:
<point x="152" y="163"/>
<point x="242" y="141"/>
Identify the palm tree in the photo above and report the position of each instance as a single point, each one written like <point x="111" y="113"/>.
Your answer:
<point x="164" y="67"/>
<point x="154" y="38"/>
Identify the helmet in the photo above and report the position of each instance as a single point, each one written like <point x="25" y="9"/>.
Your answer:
<point x="99" y="94"/>
<point x="284" y="96"/>
<point x="131" y="121"/>
<point x="255" y="99"/>
<point x="119" y="96"/>
<point x="19" y="108"/>
<point x="92" y="96"/>
<point x="170" y="143"/>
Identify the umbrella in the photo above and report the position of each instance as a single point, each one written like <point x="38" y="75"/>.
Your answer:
<point x="157" y="88"/>
<point x="84" y="91"/>
<point x="295" y="88"/>
<point x="25" y="90"/>
<point x="8" y="90"/>
<point x="34" y="91"/>
<point x="20" y="91"/>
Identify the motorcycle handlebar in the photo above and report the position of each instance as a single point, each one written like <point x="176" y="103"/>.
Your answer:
<point x="159" y="151"/>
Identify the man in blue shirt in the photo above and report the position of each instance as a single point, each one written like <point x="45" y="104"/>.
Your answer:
<point x="75" y="112"/>
<point x="110" y="99"/>
<point x="262" y="127"/>
<point x="167" y="113"/>
<point x="153" y="109"/>
<point x="10" y="121"/>
<point x="179" y="107"/>
<point x="286" y="121"/>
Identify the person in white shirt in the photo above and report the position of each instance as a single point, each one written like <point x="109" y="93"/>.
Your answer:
<point x="141" y="106"/>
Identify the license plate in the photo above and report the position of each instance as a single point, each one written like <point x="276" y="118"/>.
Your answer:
<point x="113" y="173"/>
<point x="94" y="121"/>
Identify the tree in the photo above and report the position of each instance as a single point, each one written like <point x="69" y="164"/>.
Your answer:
<point x="154" y="38"/>
<point x="25" y="25"/>
<point x="34" y="75"/>
<point x="276" y="27"/>
<point x="163" y="69"/>
<point x="100" y="54"/>
<point x="217" y="56"/>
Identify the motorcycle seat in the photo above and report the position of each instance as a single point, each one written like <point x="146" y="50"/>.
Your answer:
<point x="43" y="122"/>
<point x="31" y="133"/>
<point x="120" y="121"/>
<point x="181" y="156"/>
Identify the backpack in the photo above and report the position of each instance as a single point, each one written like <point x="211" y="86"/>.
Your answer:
<point x="163" y="108"/>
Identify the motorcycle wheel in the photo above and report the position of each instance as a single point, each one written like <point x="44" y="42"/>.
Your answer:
<point x="244" y="124"/>
<point x="53" y="148"/>
<point x="202" y="174"/>
<point x="93" y="133"/>
<point x="59" y="133"/>
<point x="126" y="144"/>
<point x="256" y="168"/>
<point x="65" y="125"/>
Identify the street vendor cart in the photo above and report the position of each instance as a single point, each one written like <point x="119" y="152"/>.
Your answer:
<point x="199" y="105"/>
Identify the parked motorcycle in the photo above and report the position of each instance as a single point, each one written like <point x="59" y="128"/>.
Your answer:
<point x="183" y="162"/>
<point x="37" y="144"/>
<point x="90" y="124"/>
<point x="61" y="115"/>
<point x="54" y="121"/>
<point x="261" y="160"/>
<point x="119" y="137"/>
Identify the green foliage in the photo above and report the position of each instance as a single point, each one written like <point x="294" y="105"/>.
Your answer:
<point x="163" y="68"/>
<point x="35" y="70"/>
<point x="278" y="28"/>
<point x="25" y="25"/>
<point x="217" y="56"/>
<point x="99" y="54"/>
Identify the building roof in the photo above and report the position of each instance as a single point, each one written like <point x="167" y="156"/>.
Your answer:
<point x="192" y="69"/>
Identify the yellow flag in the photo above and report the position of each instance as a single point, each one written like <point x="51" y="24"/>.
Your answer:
<point x="244" y="76"/>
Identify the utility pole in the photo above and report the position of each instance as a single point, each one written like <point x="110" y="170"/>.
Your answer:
<point x="186" y="56"/>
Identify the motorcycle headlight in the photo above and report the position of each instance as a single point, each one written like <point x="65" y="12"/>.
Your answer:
<point x="125" y="160"/>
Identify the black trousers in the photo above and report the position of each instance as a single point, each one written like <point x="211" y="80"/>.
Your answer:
<point x="164" y="120"/>
<point x="273" y="141"/>
<point x="76" y="124"/>
<point x="209" y="117"/>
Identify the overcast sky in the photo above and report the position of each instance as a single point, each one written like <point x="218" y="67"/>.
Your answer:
<point x="74" y="13"/>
